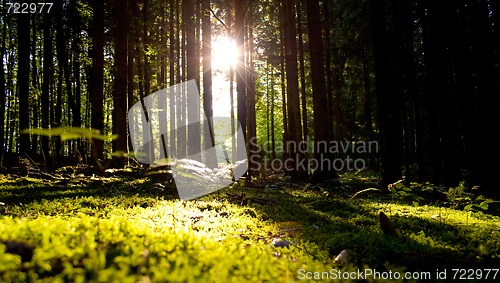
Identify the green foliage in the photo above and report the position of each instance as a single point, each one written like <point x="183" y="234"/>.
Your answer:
<point x="458" y="197"/>
<point x="70" y="133"/>
<point x="400" y="192"/>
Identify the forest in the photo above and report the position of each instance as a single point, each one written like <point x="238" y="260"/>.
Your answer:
<point x="248" y="140"/>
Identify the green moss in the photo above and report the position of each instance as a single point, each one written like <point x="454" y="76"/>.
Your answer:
<point x="128" y="230"/>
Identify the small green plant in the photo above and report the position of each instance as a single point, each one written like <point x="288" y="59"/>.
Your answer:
<point x="401" y="192"/>
<point x="459" y="197"/>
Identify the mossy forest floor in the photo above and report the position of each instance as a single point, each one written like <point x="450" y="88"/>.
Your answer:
<point x="131" y="227"/>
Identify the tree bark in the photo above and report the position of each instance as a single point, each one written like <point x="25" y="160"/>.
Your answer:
<point x="241" y="87"/>
<point x="120" y="82"/>
<point x="23" y="78"/>
<point x="293" y="103"/>
<point x="251" y="100"/>
<point x="209" y="142"/>
<point x="488" y="84"/>
<point x="193" y="108"/>
<point x="388" y="105"/>
<point x="96" y="83"/>
<point x="322" y="133"/>
<point x="3" y="93"/>
<point x="48" y="65"/>
<point x="302" y="60"/>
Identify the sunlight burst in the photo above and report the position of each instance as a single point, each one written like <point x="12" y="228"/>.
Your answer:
<point x="224" y="53"/>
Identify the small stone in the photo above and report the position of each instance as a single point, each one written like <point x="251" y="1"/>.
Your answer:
<point x="341" y="258"/>
<point x="280" y="243"/>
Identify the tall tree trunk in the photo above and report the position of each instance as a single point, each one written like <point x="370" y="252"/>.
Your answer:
<point x="3" y="93"/>
<point x="11" y="106"/>
<point x="76" y="45"/>
<point x="331" y="107"/>
<point x="322" y="133"/>
<point x="281" y="16"/>
<point x="181" y="76"/>
<point x="209" y="142"/>
<point x="302" y="60"/>
<point x="23" y="78"/>
<point x="229" y="23"/>
<point x="48" y="65"/>
<point x="488" y="85"/>
<point x="193" y="108"/>
<point x="120" y="82"/>
<point x="389" y="115"/>
<point x="239" y="26"/>
<point x="147" y="77"/>
<point x="96" y="83"/>
<point x="251" y="115"/>
<point x="64" y="60"/>
<point x="56" y="118"/>
<point x="273" y="136"/>
<point x="172" y="72"/>
<point x="132" y="43"/>
<point x="298" y="171"/>
<point x="162" y="56"/>
<point x="447" y="141"/>
<point x="367" y="110"/>
<point x="461" y="57"/>
<point x="34" y="81"/>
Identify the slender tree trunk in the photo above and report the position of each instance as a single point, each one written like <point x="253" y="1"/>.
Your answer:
<point x="197" y="41"/>
<point x="302" y="60"/>
<point x="447" y="140"/>
<point x="488" y="84"/>
<point x="282" y="76"/>
<point x="331" y="107"/>
<point x="162" y="56"/>
<point x="64" y="60"/>
<point x="389" y="115"/>
<point x="132" y="43"/>
<point x="298" y="171"/>
<point x="120" y="82"/>
<point x="251" y="115"/>
<point x="468" y="102"/>
<point x="322" y="133"/>
<point x="48" y="65"/>
<point x="173" y="61"/>
<point x="193" y="108"/>
<point x="211" y="158"/>
<point x="241" y="87"/>
<point x="161" y="81"/>
<point x="76" y="45"/>
<point x="229" y="20"/>
<point x="56" y="119"/>
<point x="367" y="111"/>
<point x="23" y="78"/>
<point x="181" y="76"/>
<point x="146" y="14"/>
<point x="3" y="93"/>
<point x="34" y="81"/>
<point x="268" y="108"/>
<point x="11" y="106"/>
<point x="96" y="83"/>
<point x="273" y="135"/>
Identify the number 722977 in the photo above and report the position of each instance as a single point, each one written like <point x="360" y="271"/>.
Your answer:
<point x="28" y="8"/>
